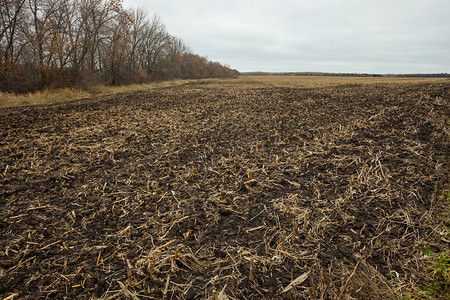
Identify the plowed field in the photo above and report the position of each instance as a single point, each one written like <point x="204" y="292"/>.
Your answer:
<point x="248" y="189"/>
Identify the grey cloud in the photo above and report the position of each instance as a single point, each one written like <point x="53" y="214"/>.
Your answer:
<point x="374" y="36"/>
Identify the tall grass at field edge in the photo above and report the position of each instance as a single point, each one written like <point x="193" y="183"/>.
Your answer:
<point x="66" y="94"/>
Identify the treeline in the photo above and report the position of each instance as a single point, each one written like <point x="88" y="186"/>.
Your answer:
<point x="342" y="74"/>
<point x="56" y="43"/>
<point x="310" y="74"/>
<point x="438" y="75"/>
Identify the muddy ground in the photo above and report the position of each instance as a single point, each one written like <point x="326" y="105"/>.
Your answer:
<point x="229" y="188"/>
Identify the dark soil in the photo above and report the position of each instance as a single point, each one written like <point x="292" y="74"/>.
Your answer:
<point x="229" y="188"/>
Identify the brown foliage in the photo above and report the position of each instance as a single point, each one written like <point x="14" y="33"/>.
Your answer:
<point x="53" y="43"/>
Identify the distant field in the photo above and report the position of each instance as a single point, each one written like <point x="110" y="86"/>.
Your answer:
<point x="251" y="188"/>
<point x="312" y="81"/>
<point x="68" y="94"/>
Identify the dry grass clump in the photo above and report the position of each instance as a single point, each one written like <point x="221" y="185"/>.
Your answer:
<point x="67" y="94"/>
<point x="42" y="97"/>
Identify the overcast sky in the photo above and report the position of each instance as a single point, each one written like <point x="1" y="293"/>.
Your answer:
<point x="364" y="36"/>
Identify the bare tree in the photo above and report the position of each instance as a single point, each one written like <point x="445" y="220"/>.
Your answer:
<point x="10" y="47"/>
<point x="174" y="60"/>
<point x="156" y="42"/>
<point x="118" y="45"/>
